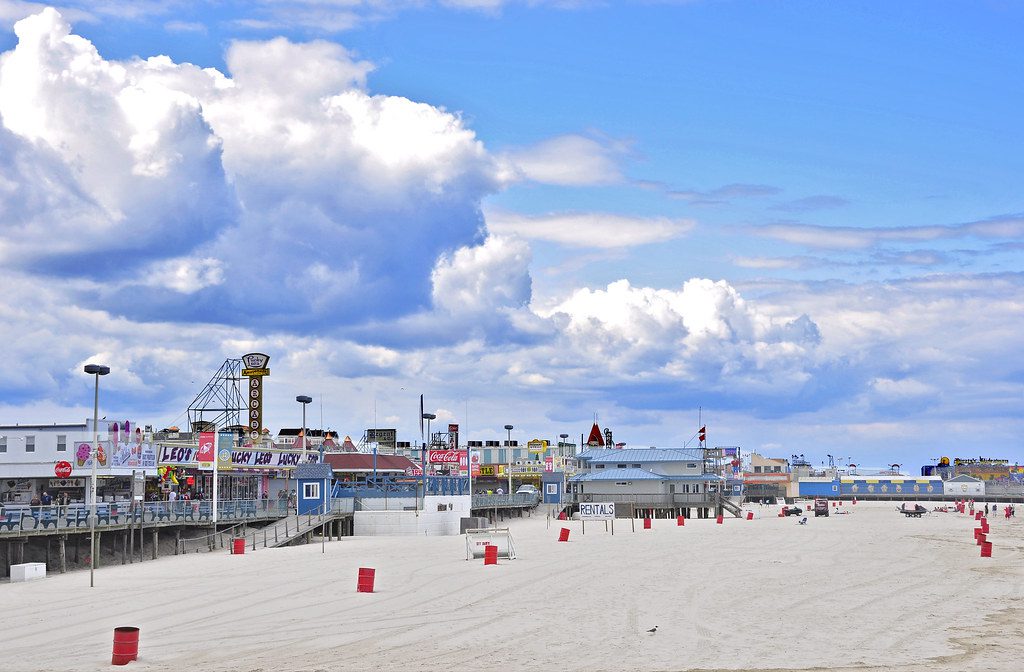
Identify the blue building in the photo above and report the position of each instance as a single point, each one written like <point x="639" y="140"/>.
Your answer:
<point x="314" y="487"/>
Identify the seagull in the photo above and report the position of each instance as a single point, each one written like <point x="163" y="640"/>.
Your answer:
<point x="654" y="629"/>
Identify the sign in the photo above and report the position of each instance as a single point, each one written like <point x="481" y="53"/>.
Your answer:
<point x="383" y="437"/>
<point x="453" y="436"/>
<point x="443" y="456"/>
<point x="62" y="469"/>
<point x="597" y="510"/>
<point x="67" y="483"/>
<point x="475" y="457"/>
<point x="117" y="455"/>
<point x="536" y="446"/>
<point x="206" y="453"/>
<point x="486" y="469"/>
<point x="549" y="463"/>
<point x="255" y="369"/>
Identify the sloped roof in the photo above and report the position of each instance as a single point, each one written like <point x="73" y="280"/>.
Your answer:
<point x="964" y="478"/>
<point x="361" y="462"/>
<point x="313" y="470"/>
<point x="633" y="474"/>
<point x="611" y="455"/>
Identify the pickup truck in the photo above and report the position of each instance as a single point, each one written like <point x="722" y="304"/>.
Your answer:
<point x="820" y="507"/>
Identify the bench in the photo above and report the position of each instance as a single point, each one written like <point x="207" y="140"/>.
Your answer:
<point x="45" y="516"/>
<point x="77" y="516"/>
<point x="11" y="517"/>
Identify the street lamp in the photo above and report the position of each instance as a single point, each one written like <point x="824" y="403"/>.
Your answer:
<point x="423" y="453"/>
<point x="508" y="446"/>
<point x="96" y="370"/>
<point x="562" y="447"/>
<point x="302" y="399"/>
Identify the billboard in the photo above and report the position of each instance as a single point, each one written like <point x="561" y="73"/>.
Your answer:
<point x="382" y="437"/>
<point x="255" y="364"/>
<point x="443" y="456"/>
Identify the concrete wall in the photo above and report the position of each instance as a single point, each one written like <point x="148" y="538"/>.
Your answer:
<point x="430" y="521"/>
<point x="961" y="489"/>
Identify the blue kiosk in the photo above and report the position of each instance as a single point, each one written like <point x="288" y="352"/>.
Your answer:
<point x="314" y="492"/>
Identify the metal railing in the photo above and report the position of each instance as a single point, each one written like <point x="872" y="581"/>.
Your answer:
<point x="515" y="500"/>
<point x="16" y="519"/>
<point x="278" y="533"/>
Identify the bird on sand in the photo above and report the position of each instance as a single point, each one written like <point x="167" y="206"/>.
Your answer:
<point x="654" y="629"/>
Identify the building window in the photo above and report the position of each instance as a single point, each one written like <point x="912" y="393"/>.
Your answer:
<point x="620" y="466"/>
<point x="696" y="487"/>
<point x="777" y="469"/>
<point x="501" y="455"/>
<point x="691" y="465"/>
<point x="311" y="491"/>
<point x="488" y="455"/>
<point x="3" y="444"/>
<point x="599" y="466"/>
<point x="552" y="488"/>
<point x="621" y="482"/>
<point x="62" y="443"/>
<point x="757" y="470"/>
<point x="30" y="444"/>
<point x="637" y="466"/>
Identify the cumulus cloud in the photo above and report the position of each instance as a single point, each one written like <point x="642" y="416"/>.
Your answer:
<point x="290" y="180"/>
<point x="596" y="229"/>
<point x="483" y="279"/>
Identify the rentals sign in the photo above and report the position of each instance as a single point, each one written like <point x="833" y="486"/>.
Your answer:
<point x="597" y="510"/>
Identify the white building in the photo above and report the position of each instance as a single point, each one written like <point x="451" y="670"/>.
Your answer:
<point x="29" y="456"/>
<point x="964" y="486"/>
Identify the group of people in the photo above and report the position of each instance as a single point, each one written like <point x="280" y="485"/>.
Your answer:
<point x="46" y="499"/>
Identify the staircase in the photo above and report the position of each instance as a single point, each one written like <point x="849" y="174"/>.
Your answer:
<point x="279" y="533"/>
<point x="724" y="504"/>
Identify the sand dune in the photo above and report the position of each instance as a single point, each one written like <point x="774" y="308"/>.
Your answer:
<point x="865" y="591"/>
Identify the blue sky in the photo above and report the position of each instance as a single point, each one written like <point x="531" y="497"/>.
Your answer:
<point x="805" y="219"/>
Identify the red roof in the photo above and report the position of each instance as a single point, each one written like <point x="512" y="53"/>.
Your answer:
<point x="364" y="462"/>
<point x="595" y="438"/>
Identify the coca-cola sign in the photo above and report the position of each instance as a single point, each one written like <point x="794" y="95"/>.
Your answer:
<point x="443" y="456"/>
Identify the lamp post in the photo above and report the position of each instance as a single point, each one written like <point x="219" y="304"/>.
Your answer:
<point x="302" y="399"/>
<point x="423" y="454"/>
<point x="96" y="370"/>
<point x="561" y="453"/>
<point x="508" y="446"/>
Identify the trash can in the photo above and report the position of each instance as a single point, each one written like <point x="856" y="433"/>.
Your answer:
<point x="238" y="546"/>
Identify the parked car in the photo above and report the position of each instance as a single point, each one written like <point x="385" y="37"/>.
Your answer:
<point x="792" y="510"/>
<point x="820" y="507"/>
<point x="528" y="490"/>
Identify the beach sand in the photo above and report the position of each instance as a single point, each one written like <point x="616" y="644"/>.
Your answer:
<point x="871" y="590"/>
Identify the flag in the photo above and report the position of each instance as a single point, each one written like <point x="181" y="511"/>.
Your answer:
<point x="702" y="434"/>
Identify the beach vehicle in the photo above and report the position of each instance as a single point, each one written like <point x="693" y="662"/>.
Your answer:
<point x="912" y="510"/>
<point x="792" y="510"/>
<point x="820" y="507"/>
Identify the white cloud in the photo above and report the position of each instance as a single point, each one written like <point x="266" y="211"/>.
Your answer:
<point x="484" y="279"/>
<point x="570" y="160"/>
<point x="597" y="229"/>
<point x="186" y="275"/>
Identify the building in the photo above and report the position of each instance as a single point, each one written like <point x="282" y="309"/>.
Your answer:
<point x="768" y="478"/>
<point x="657" y="481"/>
<point x="29" y="456"/>
<point x="964" y="486"/>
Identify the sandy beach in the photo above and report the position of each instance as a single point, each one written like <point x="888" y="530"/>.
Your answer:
<point x="870" y="590"/>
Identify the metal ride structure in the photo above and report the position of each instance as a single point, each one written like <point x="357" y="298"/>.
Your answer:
<point x="221" y="402"/>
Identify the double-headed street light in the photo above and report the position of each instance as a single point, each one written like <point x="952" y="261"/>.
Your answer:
<point x="508" y="447"/>
<point x="95" y="370"/>
<point x="423" y="453"/>
<point x="302" y="399"/>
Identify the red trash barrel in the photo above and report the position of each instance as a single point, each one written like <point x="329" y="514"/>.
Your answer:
<point x="490" y="554"/>
<point x="750" y="515"/>
<point x="647" y="523"/>
<point x="986" y="549"/>
<point x="718" y="520"/>
<point x="238" y="546"/>
<point x="365" y="583"/>
<point x="984" y="526"/>
<point x="126" y="645"/>
<point x="680" y="521"/>
<point x="561" y="516"/>
<point x="981" y="538"/>
<point x="564" y="534"/>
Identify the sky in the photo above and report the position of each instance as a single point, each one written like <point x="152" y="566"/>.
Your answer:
<point x="800" y="224"/>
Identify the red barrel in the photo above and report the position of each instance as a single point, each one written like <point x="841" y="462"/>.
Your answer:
<point x="981" y="538"/>
<point x="561" y="516"/>
<point x="490" y="554"/>
<point x="238" y="546"/>
<point x="986" y="549"/>
<point x="718" y="520"/>
<point x="564" y="534"/>
<point x="366" y="576"/>
<point x="680" y="521"/>
<point x="750" y="515"/>
<point x="855" y="501"/>
<point x="984" y="526"/>
<point x="126" y="645"/>
<point x="977" y="515"/>
<point x="647" y="523"/>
